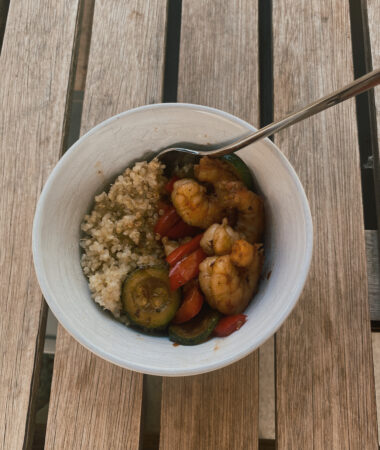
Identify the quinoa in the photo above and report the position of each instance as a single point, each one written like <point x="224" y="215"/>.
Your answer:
<point x="118" y="233"/>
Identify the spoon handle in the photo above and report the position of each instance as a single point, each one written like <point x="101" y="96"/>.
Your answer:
<point x="358" y="86"/>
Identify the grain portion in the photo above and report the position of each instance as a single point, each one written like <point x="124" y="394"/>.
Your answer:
<point x="118" y="233"/>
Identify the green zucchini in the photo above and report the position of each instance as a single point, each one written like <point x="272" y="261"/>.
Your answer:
<point x="241" y="170"/>
<point x="148" y="300"/>
<point x="196" y="330"/>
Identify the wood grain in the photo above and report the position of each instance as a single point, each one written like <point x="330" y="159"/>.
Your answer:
<point x="325" y="385"/>
<point x="376" y="364"/>
<point x="35" y="67"/>
<point x="212" y="411"/>
<point x="218" y="67"/>
<point x="95" y="404"/>
<point x="126" y="63"/>
<point x="373" y="269"/>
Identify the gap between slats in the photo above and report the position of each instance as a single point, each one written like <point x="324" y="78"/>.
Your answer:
<point x="366" y="121"/>
<point x="4" y="7"/>
<point x="371" y="37"/>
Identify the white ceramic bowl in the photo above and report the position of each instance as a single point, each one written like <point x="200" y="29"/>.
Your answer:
<point x="92" y="163"/>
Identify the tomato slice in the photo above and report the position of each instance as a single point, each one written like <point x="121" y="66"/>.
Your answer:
<point x="167" y="221"/>
<point x="181" y="229"/>
<point x="227" y="325"/>
<point x="169" y="186"/>
<point x="184" y="250"/>
<point x="190" y="306"/>
<point x="186" y="269"/>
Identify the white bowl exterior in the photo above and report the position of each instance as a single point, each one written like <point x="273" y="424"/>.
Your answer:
<point x="92" y="163"/>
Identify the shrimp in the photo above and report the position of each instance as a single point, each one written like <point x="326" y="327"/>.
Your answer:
<point x="195" y="206"/>
<point x="213" y="171"/>
<point x="199" y="208"/>
<point x="250" y="207"/>
<point x="218" y="239"/>
<point x="230" y="281"/>
<point x="232" y="194"/>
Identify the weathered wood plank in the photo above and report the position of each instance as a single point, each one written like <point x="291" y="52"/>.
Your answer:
<point x="95" y="404"/>
<point x="373" y="269"/>
<point x="376" y="364"/>
<point x="325" y="386"/>
<point x="218" y="67"/>
<point x="35" y="67"/>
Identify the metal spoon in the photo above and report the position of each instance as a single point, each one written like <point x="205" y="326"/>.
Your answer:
<point x="180" y="155"/>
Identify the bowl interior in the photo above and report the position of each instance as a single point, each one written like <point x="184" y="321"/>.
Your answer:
<point x="88" y="168"/>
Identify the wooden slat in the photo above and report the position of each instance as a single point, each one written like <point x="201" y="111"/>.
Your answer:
<point x="218" y="67"/>
<point x="373" y="269"/>
<point x="94" y="404"/>
<point x="325" y="386"/>
<point x="35" y="75"/>
<point x="376" y="364"/>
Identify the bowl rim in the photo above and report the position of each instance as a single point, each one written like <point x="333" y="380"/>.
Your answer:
<point x="144" y="368"/>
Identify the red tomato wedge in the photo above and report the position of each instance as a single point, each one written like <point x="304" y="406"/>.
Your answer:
<point x="167" y="221"/>
<point x="169" y="186"/>
<point x="181" y="229"/>
<point x="184" y="250"/>
<point x="227" y="325"/>
<point x="191" y="305"/>
<point x="186" y="269"/>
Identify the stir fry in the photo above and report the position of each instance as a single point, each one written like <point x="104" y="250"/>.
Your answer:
<point x="211" y="227"/>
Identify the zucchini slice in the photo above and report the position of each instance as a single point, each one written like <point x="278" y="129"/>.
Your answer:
<point x="148" y="300"/>
<point x="241" y="170"/>
<point x="196" y="330"/>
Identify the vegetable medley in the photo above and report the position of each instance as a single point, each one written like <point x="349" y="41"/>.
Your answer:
<point x="211" y="226"/>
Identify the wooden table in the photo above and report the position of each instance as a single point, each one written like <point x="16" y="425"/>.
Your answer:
<point x="229" y="51"/>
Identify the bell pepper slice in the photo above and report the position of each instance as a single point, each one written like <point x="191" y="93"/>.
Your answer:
<point x="186" y="269"/>
<point x="190" y="306"/>
<point x="167" y="221"/>
<point x="181" y="229"/>
<point x="184" y="250"/>
<point x="229" y="324"/>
